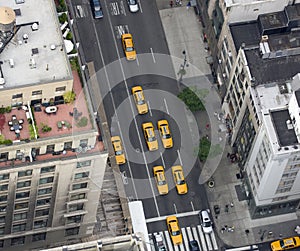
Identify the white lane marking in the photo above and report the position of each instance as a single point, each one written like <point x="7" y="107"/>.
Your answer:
<point x="152" y="55"/>
<point x="115" y="8"/>
<point x="192" y="204"/>
<point x="122" y="7"/>
<point x="180" y="160"/>
<point x="162" y="159"/>
<point x="203" y="244"/>
<point x="208" y="242"/>
<point x="137" y="60"/>
<point x="185" y="239"/>
<point x="175" y="208"/>
<point x="176" y="248"/>
<point x="140" y="6"/>
<point x="167" y="109"/>
<point x="214" y="241"/>
<point x="149" y="108"/>
<point x="167" y="236"/>
<point x="132" y="111"/>
<point x="177" y="215"/>
<point x="196" y="235"/>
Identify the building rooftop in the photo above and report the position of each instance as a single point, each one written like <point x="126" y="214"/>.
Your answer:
<point x="297" y="94"/>
<point x="40" y="57"/>
<point x="271" y="70"/>
<point x="284" y="130"/>
<point x="272" y="21"/>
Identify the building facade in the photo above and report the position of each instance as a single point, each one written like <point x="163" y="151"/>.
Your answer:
<point x="51" y="160"/>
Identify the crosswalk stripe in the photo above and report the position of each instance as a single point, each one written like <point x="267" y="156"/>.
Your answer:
<point x="167" y="236"/>
<point x="185" y="239"/>
<point x="188" y="229"/>
<point x="203" y="244"/>
<point x="181" y="246"/>
<point x="208" y="242"/>
<point x="214" y="241"/>
<point x="176" y="248"/>
<point x="196" y="235"/>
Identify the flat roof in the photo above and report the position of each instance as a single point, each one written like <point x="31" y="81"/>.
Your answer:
<point x="285" y="135"/>
<point x="246" y="32"/>
<point x="273" y="20"/>
<point x="273" y="69"/>
<point x="50" y="64"/>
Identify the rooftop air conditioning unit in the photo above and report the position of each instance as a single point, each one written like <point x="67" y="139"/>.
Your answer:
<point x="264" y="38"/>
<point x="11" y="63"/>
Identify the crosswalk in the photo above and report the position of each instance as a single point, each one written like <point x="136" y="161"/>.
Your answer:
<point x="207" y="242"/>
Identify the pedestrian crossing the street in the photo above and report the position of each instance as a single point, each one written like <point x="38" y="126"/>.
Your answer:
<point x="207" y="242"/>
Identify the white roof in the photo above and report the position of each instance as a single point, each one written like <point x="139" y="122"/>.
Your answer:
<point x="46" y="64"/>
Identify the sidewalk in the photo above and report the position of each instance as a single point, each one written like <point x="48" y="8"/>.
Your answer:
<point x="184" y="32"/>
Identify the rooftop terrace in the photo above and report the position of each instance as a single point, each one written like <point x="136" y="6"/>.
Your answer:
<point x="41" y="58"/>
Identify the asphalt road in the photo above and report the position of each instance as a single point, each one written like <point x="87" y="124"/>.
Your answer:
<point x="153" y="70"/>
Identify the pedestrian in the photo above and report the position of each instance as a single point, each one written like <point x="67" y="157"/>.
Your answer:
<point x="231" y="204"/>
<point x="228" y="155"/>
<point x="171" y="3"/>
<point x="188" y="5"/>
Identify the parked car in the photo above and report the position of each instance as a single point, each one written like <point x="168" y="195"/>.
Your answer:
<point x="97" y="9"/>
<point x="205" y="221"/>
<point x="194" y="246"/>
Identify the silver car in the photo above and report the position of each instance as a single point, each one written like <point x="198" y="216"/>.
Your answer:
<point x="205" y="221"/>
<point x="133" y="5"/>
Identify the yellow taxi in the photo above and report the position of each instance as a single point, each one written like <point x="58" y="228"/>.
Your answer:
<point x="159" y="175"/>
<point x="139" y="99"/>
<point x="149" y="134"/>
<point x="179" y="180"/>
<point x="128" y="46"/>
<point x="165" y="134"/>
<point x="286" y="244"/>
<point x="174" y="230"/>
<point x="120" y="156"/>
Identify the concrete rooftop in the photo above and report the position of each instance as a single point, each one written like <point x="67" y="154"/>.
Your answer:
<point x="51" y="64"/>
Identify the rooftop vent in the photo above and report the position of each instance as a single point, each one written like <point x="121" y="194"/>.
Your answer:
<point x="289" y="125"/>
<point x="11" y="63"/>
<point x="52" y="47"/>
<point x="264" y="38"/>
<point x="286" y="148"/>
<point x="35" y="51"/>
<point x="34" y="26"/>
<point x="2" y="81"/>
<point x="18" y="12"/>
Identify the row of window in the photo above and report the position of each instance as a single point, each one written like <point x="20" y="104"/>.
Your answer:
<point x="37" y="237"/>
<point x="38" y="92"/>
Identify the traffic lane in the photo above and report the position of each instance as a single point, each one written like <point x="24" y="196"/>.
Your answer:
<point x="148" y="36"/>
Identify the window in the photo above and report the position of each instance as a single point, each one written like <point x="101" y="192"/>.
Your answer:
<point x="3" y="198"/>
<point x="72" y="231"/>
<point x="60" y="89"/>
<point x="45" y="191"/>
<point x="81" y="175"/>
<point x="20" y="95"/>
<point x="47" y="169"/>
<point x="77" y="196"/>
<point x="40" y="224"/>
<point x="22" y="195"/>
<point x="42" y="212"/>
<point x="84" y="163"/>
<point x="2" y="209"/>
<point x="76" y="207"/>
<point x="21" y="205"/>
<point x="50" y="148"/>
<point x="79" y="186"/>
<point x="1" y="230"/>
<point x="39" y="92"/>
<point x="18" y="241"/>
<point x="83" y="142"/>
<point x="39" y="237"/>
<point x="43" y="202"/>
<point x="68" y="145"/>
<point x="19" y="227"/>
<point x="20" y="216"/>
<point x="46" y="180"/>
<point x="25" y="173"/>
<point x="4" y="176"/>
<point x="26" y="183"/>
<point x="2" y="219"/>
<point x="4" y="187"/>
<point x="74" y="219"/>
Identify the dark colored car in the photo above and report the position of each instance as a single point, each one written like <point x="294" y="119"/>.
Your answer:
<point x="97" y="9"/>
<point x="194" y="246"/>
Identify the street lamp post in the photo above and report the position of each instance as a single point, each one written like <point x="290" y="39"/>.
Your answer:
<point x="182" y="70"/>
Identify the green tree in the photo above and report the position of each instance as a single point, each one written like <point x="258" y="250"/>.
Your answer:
<point x="69" y="97"/>
<point x="204" y="147"/>
<point x="191" y="99"/>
